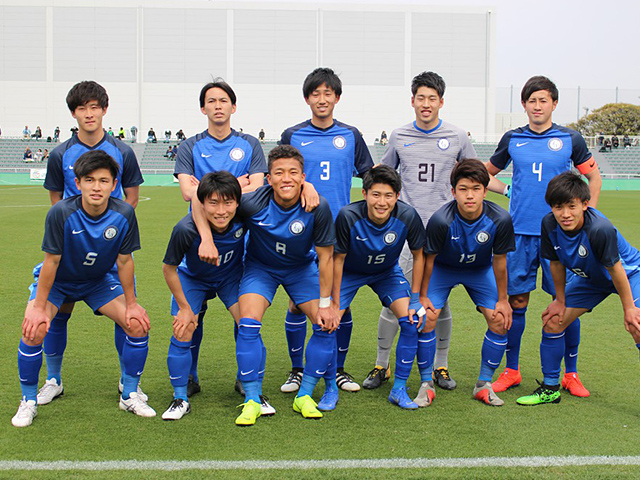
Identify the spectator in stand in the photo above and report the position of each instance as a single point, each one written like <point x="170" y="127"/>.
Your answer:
<point x="383" y="138"/>
<point x="151" y="136"/>
<point x="167" y="136"/>
<point x="174" y="152"/>
<point x="26" y="133"/>
<point x="134" y="133"/>
<point x="56" y="134"/>
<point x="121" y="133"/>
<point x="606" y="145"/>
<point x="110" y="132"/>
<point x="37" y="157"/>
<point x="45" y="155"/>
<point x="74" y="130"/>
<point x="601" y="139"/>
<point x="168" y="152"/>
<point x="28" y="155"/>
<point x="180" y="136"/>
<point x="626" y="141"/>
<point x="615" y="143"/>
<point x="261" y="135"/>
<point x="38" y="133"/>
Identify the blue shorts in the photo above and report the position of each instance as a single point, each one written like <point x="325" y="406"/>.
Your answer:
<point x="198" y="292"/>
<point x="479" y="283"/>
<point x="580" y="293"/>
<point x="522" y="267"/>
<point x="389" y="285"/>
<point x="302" y="284"/>
<point x="95" y="293"/>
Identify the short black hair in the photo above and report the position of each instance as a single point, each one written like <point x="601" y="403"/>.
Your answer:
<point x="94" y="160"/>
<point x="537" y="83"/>
<point x="429" y="80"/>
<point x="565" y="187"/>
<point x="86" y="91"/>
<point x="472" y="169"/>
<point x="223" y="183"/>
<point x="382" y="174"/>
<point x="320" y="76"/>
<point x="284" y="151"/>
<point x="222" y="85"/>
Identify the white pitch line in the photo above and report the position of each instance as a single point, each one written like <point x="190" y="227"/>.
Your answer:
<point x="480" y="462"/>
<point x="24" y="206"/>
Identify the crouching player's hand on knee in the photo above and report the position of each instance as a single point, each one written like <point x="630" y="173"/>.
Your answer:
<point x="135" y="312"/>
<point x="33" y="318"/>
<point x="503" y="308"/>
<point x="183" y="322"/>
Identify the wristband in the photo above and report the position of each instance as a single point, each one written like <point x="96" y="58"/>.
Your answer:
<point x="325" y="302"/>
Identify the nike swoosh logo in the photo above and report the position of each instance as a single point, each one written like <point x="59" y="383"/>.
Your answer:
<point x="113" y="288"/>
<point x="265" y="224"/>
<point x="296" y="349"/>
<point x="409" y="144"/>
<point x="406" y="361"/>
<point x="521" y="144"/>
<point x="492" y="363"/>
<point x="455" y="238"/>
<point x="174" y="378"/>
<point x="556" y="247"/>
<point x="246" y="373"/>
<point x="140" y="372"/>
<point x="76" y="232"/>
<point x="361" y="239"/>
<point x="422" y="363"/>
<point x="204" y="156"/>
<point x="402" y="282"/>
<point x="592" y="164"/>
<point x="573" y="355"/>
<point x="22" y="379"/>
<point x="320" y="373"/>
<point x="304" y="144"/>
<point x="340" y="349"/>
<point x="70" y="167"/>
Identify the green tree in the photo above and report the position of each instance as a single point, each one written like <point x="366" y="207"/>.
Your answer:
<point x="618" y="118"/>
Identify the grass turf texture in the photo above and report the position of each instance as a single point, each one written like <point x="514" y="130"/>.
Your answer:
<point x="85" y="424"/>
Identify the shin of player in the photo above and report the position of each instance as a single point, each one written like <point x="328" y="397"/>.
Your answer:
<point x="84" y="236"/>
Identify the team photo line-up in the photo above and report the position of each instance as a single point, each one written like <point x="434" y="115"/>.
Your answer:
<point x="423" y="227"/>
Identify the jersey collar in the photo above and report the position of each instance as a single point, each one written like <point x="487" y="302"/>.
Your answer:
<point x="323" y="129"/>
<point x="415" y="125"/>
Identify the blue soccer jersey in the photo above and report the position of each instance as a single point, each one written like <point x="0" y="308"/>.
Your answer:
<point x="536" y="158"/>
<point x="239" y="153"/>
<point x="61" y="177"/>
<point x="89" y="246"/>
<point x="185" y="241"/>
<point x="331" y="157"/>
<point x="459" y="243"/>
<point x="372" y="248"/>
<point x="282" y="238"/>
<point x="587" y="253"/>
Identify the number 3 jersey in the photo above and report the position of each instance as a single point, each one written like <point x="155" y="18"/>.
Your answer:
<point x="89" y="245"/>
<point x="424" y="159"/>
<point x="460" y="243"/>
<point x="537" y="158"/>
<point x="588" y="253"/>
<point x="373" y="248"/>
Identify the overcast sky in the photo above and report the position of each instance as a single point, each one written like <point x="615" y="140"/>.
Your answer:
<point x="588" y="43"/>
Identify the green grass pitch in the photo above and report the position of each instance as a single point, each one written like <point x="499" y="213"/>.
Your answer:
<point x="86" y="424"/>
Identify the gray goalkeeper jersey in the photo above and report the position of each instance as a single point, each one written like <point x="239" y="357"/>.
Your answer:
<point x="424" y="159"/>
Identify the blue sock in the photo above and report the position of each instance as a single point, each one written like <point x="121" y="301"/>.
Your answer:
<point x="493" y="348"/>
<point x="263" y="365"/>
<point x="29" y="364"/>
<point x="571" y="344"/>
<point x="551" y="353"/>
<point x="249" y="355"/>
<point x="196" y="340"/>
<point x="308" y="385"/>
<point x="426" y="354"/>
<point x="118" y="338"/>
<point x="514" y="338"/>
<point x="179" y="363"/>
<point x="134" y="355"/>
<point x="295" y="328"/>
<point x="55" y="344"/>
<point x="344" y="336"/>
<point x="406" y="349"/>
<point x="321" y="350"/>
<point x="399" y="383"/>
<point x="235" y="339"/>
<point x="332" y="368"/>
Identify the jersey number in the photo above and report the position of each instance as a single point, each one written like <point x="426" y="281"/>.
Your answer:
<point x="377" y="260"/>
<point x="467" y="258"/>
<point x="90" y="259"/>
<point x="281" y="248"/>
<point x="579" y="272"/>
<point x="424" y="174"/>
<point x="537" y="171"/>
<point x="325" y="170"/>
<point x="227" y="256"/>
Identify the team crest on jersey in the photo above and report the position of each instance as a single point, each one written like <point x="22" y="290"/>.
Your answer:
<point x="390" y="238"/>
<point x="339" y="142"/>
<point x="444" y="143"/>
<point x="554" y="144"/>
<point x="296" y="227"/>
<point x="582" y="251"/>
<point x="110" y="232"/>
<point x="238" y="233"/>
<point x="236" y="154"/>
<point x="482" y="236"/>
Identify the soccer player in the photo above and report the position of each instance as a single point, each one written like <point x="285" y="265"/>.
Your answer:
<point x="578" y="238"/>
<point x="424" y="152"/>
<point x="538" y="151"/>
<point x="88" y="102"/>
<point x="218" y="148"/>
<point x="84" y="236"/>
<point x="370" y="236"/>
<point x="279" y="253"/>
<point x="467" y="244"/>
<point x="333" y="151"/>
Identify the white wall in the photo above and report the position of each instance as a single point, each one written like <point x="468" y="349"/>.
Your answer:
<point x="153" y="59"/>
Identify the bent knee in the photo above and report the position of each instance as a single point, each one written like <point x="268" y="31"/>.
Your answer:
<point x="554" y="326"/>
<point x="135" y="328"/>
<point x="519" y="301"/>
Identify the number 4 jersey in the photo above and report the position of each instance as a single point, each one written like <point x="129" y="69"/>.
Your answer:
<point x="424" y="159"/>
